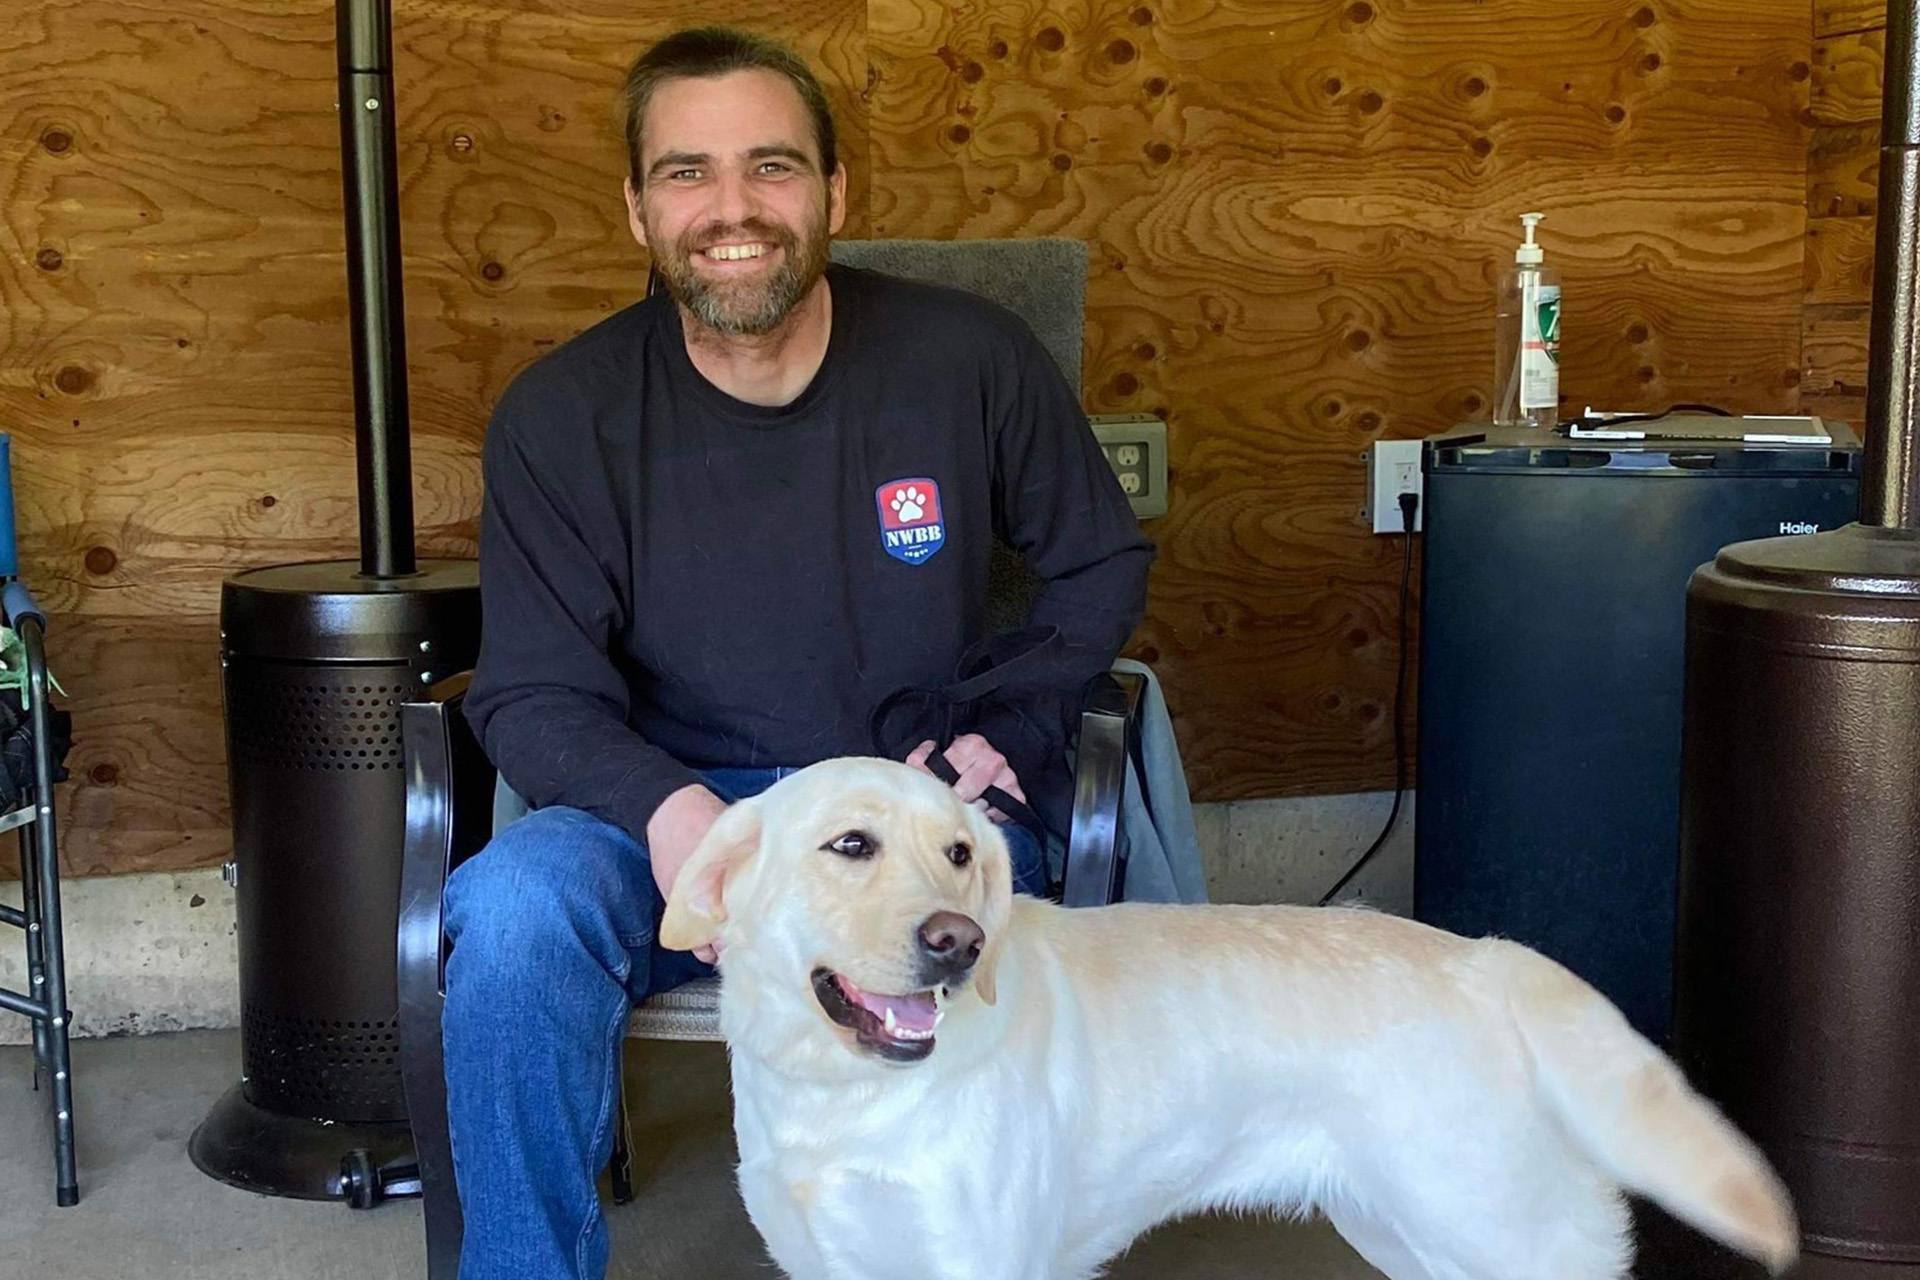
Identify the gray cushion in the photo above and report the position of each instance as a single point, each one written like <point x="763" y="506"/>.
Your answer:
<point x="1043" y="281"/>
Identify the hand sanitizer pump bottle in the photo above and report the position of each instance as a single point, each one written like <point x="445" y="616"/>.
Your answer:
<point x="1526" y="364"/>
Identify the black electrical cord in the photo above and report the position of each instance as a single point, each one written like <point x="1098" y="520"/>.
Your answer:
<point x="1409" y="508"/>
<point x="1625" y="419"/>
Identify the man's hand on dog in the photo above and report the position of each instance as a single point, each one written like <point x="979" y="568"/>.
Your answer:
<point x="979" y="767"/>
<point x="674" y="832"/>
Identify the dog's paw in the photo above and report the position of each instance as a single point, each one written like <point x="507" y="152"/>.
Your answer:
<point x="909" y="504"/>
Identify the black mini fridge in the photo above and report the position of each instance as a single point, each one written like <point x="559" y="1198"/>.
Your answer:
<point x="1552" y="637"/>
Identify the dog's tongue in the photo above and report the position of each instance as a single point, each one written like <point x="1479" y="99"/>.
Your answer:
<point x="915" y="1012"/>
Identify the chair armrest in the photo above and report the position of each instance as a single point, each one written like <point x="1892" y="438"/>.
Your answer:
<point x="450" y="785"/>
<point x="1109" y="724"/>
<point x="449" y="818"/>
<point x="18" y="604"/>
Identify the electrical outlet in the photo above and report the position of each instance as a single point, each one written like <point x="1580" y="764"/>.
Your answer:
<point x="1393" y="468"/>
<point x="1135" y="445"/>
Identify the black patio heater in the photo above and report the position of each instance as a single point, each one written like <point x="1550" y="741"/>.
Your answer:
<point x="1797" y="975"/>
<point x="316" y="659"/>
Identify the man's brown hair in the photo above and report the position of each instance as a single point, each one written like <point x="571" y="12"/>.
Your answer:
<point x="705" y="52"/>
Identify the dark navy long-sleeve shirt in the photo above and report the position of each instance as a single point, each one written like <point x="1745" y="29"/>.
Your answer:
<point x="673" y="579"/>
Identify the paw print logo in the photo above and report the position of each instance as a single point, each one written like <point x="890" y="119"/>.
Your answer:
<point x="909" y="507"/>
<point x="909" y="504"/>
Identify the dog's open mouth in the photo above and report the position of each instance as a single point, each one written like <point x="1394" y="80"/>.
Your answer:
<point x="896" y="1027"/>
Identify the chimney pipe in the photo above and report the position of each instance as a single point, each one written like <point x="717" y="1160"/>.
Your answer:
<point x="1890" y="485"/>
<point x="364" y="36"/>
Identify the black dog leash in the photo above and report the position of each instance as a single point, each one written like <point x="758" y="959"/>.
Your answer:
<point x="1018" y="810"/>
<point x="1024" y="655"/>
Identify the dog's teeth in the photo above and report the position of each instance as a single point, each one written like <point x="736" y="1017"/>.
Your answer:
<point x="891" y="1029"/>
<point x="938" y="1015"/>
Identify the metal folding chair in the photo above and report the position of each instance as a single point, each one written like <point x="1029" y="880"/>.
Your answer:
<point x="38" y="915"/>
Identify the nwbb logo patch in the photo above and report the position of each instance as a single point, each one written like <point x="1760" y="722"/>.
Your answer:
<point x="910" y="526"/>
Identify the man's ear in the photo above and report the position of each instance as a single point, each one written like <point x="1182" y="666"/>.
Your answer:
<point x="636" y="224"/>
<point x="837" y="199"/>
<point x="697" y="906"/>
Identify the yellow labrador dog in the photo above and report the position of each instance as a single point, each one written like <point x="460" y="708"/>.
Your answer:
<point x="934" y="1080"/>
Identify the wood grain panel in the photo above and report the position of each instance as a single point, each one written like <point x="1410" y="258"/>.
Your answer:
<point x="1835" y="349"/>
<point x="1839" y="260"/>
<point x="1833" y="17"/>
<point x="1842" y="173"/>
<point x="152" y="528"/>
<point x="177" y="295"/>
<point x="1297" y="212"/>
<point x="174" y="359"/>
<point x="178" y="255"/>
<point x="1846" y="79"/>
<point x="1847" y="407"/>
<point x="1297" y="209"/>
<point x="148" y="790"/>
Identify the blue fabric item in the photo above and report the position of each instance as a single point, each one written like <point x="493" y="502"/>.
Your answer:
<point x="9" y="554"/>
<point x="554" y="926"/>
<point x="1163" y="844"/>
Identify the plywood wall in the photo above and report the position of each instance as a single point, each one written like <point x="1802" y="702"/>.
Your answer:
<point x="1843" y="170"/>
<point x="1296" y="210"/>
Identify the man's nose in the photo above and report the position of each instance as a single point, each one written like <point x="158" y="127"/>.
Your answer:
<point x="735" y="200"/>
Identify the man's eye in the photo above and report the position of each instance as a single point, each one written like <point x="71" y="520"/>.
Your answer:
<point x="774" y="166"/>
<point x="854" y="844"/>
<point x="683" y="175"/>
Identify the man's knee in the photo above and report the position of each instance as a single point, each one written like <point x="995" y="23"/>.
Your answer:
<point x="553" y="887"/>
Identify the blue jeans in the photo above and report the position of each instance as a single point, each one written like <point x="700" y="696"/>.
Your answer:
<point x="553" y="928"/>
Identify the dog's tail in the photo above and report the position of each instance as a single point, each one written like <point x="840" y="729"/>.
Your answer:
<point x="1635" y="1115"/>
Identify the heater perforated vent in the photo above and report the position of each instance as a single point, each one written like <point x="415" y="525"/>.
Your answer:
<point x="316" y="719"/>
<point x="322" y="1068"/>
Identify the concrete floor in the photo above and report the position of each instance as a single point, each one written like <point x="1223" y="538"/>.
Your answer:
<point x="145" y="1211"/>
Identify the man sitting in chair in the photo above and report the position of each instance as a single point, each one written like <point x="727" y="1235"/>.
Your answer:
<point x="719" y="528"/>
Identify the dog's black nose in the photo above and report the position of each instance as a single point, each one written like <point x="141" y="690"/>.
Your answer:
<point x="952" y="940"/>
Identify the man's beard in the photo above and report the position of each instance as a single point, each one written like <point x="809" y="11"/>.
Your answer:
<point x="747" y="307"/>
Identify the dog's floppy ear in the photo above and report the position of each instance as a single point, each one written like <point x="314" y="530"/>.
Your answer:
<point x="1000" y="908"/>
<point x="697" y="907"/>
<point x="983" y="972"/>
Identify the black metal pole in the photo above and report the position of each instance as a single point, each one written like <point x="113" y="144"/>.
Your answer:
<point x="53" y="947"/>
<point x="1890" y="485"/>
<point x="377" y="314"/>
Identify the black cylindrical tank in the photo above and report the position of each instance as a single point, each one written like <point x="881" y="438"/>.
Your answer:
<point x="317" y="658"/>
<point x="1797" y="974"/>
<point x="1797" y="967"/>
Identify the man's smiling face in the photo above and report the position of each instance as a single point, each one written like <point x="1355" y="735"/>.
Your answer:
<point x="734" y="207"/>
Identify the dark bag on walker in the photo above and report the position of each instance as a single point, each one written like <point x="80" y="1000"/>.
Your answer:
<point x="1020" y="690"/>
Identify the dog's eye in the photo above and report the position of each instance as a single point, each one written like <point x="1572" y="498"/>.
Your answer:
<point x="960" y="854"/>
<point x="854" y="844"/>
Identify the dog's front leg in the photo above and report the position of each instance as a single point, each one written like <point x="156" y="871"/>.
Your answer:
<point x="780" y="1210"/>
